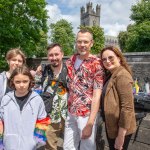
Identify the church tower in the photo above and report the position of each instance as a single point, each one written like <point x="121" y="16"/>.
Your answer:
<point x="90" y="17"/>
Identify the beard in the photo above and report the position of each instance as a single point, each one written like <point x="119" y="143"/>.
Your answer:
<point x="82" y="53"/>
<point x="55" y="64"/>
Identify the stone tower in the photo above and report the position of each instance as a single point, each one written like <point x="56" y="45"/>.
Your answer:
<point x="90" y="17"/>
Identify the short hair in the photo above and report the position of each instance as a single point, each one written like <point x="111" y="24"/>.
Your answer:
<point x="119" y="54"/>
<point x="14" y="52"/>
<point x="21" y="70"/>
<point x="49" y="47"/>
<point x="85" y="31"/>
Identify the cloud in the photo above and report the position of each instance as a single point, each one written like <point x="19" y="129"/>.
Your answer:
<point x="55" y="14"/>
<point x="114" y="13"/>
<point x="113" y="29"/>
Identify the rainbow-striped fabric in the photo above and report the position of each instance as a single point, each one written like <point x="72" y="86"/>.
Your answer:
<point x="40" y="131"/>
<point x="1" y="135"/>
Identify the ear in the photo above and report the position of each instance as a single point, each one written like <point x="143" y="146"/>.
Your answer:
<point x="62" y="54"/>
<point x="92" y="42"/>
<point x="8" y="62"/>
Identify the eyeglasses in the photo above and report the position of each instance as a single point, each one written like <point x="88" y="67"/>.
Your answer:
<point x="110" y="58"/>
<point x="85" y="42"/>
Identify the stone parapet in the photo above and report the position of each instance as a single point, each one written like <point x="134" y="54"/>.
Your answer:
<point x="139" y="62"/>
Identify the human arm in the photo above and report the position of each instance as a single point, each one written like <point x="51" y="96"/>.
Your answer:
<point x="124" y="89"/>
<point x="3" y="82"/>
<point x="97" y="89"/>
<point x="41" y="112"/>
<point x="120" y="138"/>
<point x="39" y="70"/>
<point x="1" y="127"/>
<point x="87" y="131"/>
<point x="41" y="126"/>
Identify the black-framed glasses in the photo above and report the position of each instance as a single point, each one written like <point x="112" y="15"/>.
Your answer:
<point x="110" y="58"/>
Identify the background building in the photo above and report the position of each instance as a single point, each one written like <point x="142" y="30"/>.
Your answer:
<point x="90" y="17"/>
<point x="111" y="40"/>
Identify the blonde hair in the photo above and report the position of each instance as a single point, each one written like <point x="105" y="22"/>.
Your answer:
<point x="14" y="52"/>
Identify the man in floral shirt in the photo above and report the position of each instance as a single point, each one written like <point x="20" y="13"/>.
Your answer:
<point x="59" y="108"/>
<point x="85" y="82"/>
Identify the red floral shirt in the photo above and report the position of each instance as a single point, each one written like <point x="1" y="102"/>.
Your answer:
<point x="81" y="83"/>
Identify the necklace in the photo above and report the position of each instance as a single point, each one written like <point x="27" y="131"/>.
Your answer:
<point x="56" y="75"/>
<point x="56" y="72"/>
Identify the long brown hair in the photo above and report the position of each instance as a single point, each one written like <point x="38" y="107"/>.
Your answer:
<point x="119" y="54"/>
<point x="21" y="70"/>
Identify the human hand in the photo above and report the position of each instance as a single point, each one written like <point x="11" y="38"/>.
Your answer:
<point x="119" y="142"/>
<point x="87" y="131"/>
<point x="39" y="70"/>
<point x="1" y="127"/>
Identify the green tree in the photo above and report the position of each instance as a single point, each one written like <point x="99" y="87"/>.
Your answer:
<point x="98" y="36"/>
<point x="137" y="37"/>
<point x="122" y="37"/>
<point x="42" y="45"/>
<point x="141" y="11"/>
<point x="62" y="33"/>
<point x="22" y="24"/>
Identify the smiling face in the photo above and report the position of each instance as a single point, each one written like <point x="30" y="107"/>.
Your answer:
<point x="55" y="56"/>
<point x="84" y="42"/>
<point x="110" y="60"/>
<point x="21" y="83"/>
<point x="15" y="62"/>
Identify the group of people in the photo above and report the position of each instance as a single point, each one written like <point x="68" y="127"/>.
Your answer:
<point x="82" y="89"/>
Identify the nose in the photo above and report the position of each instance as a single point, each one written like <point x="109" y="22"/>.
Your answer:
<point x="16" y="62"/>
<point x="82" y="43"/>
<point x="21" y="84"/>
<point x="54" y="57"/>
<point x="107" y="60"/>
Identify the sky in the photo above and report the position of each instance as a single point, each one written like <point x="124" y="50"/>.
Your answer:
<point x="114" y="15"/>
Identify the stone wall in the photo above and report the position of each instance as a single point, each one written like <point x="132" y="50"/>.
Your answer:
<point x="139" y="61"/>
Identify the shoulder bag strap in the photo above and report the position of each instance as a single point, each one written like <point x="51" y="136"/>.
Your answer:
<point x="55" y="86"/>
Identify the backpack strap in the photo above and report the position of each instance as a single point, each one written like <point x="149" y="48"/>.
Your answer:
<point x="47" y="71"/>
<point x="49" y="84"/>
<point x="63" y="76"/>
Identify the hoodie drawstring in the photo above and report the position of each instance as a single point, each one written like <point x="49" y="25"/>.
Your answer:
<point x="31" y="108"/>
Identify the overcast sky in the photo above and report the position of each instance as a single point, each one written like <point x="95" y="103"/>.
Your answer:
<point x="114" y="15"/>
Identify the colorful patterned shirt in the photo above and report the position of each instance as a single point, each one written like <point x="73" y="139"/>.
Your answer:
<point x="59" y="101"/>
<point x="82" y="82"/>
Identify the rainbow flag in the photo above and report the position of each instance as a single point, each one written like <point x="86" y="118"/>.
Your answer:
<point x="136" y="86"/>
<point x="1" y="135"/>
<point x="40" y="131"/>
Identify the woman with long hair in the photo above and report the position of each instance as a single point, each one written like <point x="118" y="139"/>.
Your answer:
<point x="117" y="103"/>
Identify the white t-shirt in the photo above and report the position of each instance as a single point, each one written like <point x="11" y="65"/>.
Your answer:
<point x="77" y="64"/>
